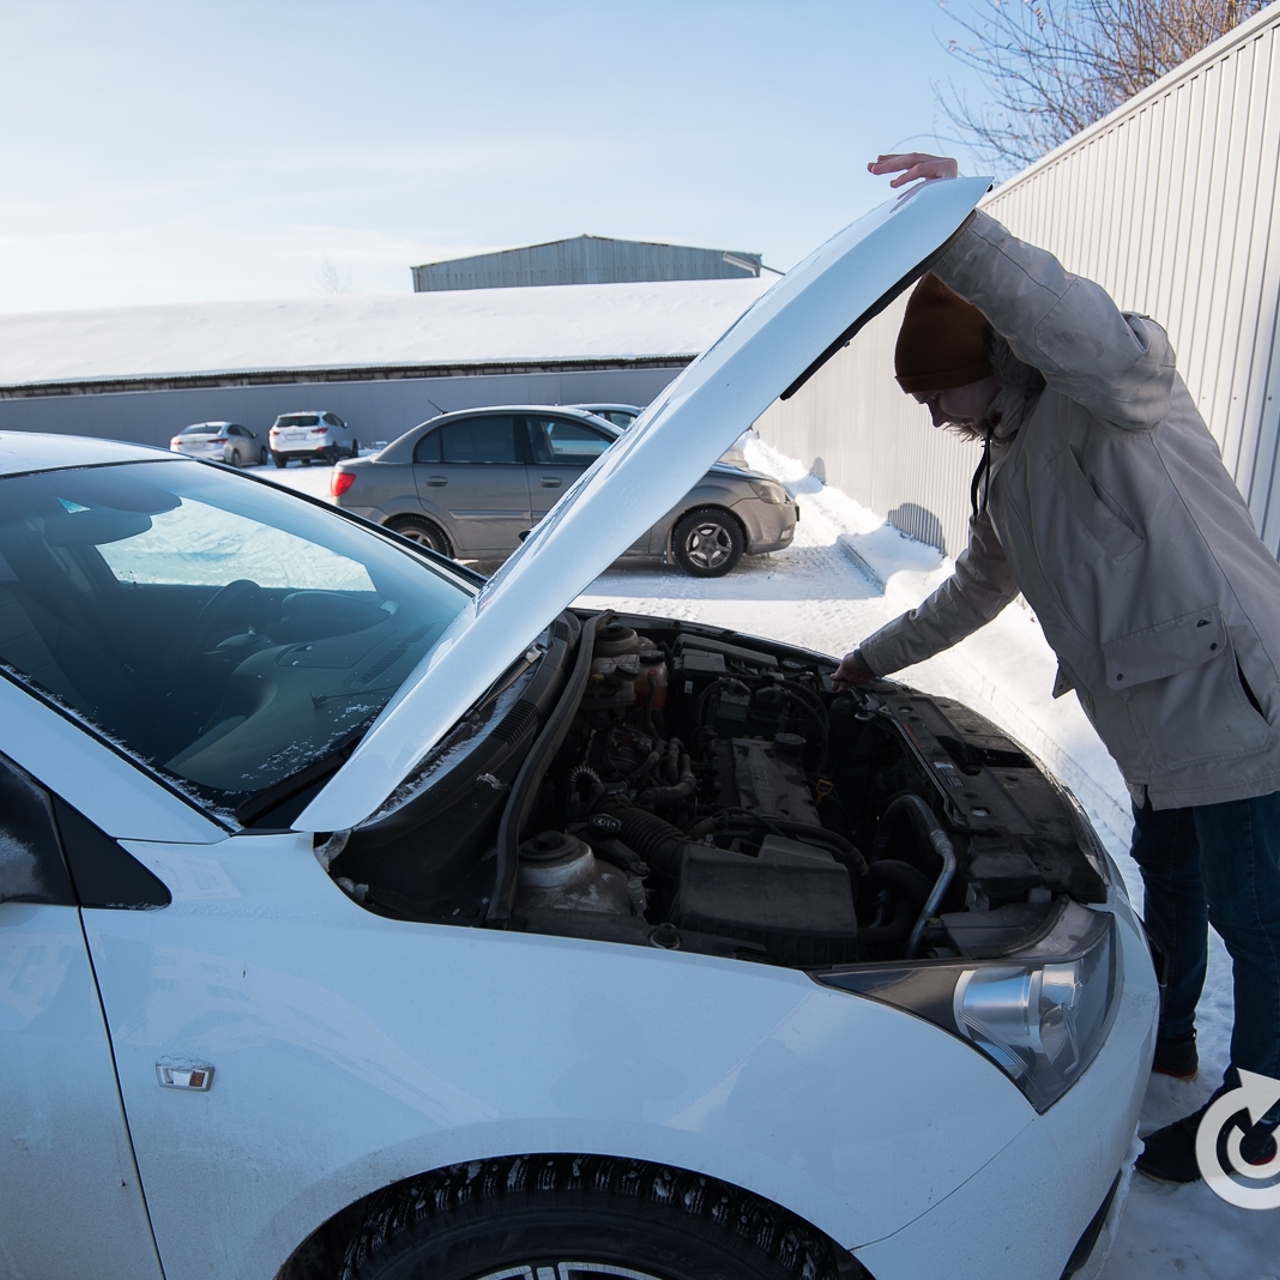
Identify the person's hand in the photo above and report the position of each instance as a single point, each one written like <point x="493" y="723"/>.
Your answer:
<point x="913" y="165"/>
<point x="852" y="670"/>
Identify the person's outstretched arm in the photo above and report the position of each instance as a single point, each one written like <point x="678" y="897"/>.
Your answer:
<point x="980" y="587"/>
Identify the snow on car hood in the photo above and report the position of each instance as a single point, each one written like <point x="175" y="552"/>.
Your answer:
<point x="807" y="316"/>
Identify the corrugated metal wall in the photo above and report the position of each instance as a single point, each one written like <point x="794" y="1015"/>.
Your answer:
<point x="585" y="260"/>
<point x="1170" y="204"/>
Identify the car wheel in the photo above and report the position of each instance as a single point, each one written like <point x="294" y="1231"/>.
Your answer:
<point x="707" y="542"/>
<point x="236" y="459"/>
<point x="426" y="533"/>
<point x="355" y="449"/>
<point x="582" y="1217"/>
<point x="279" y="459"/>
<point x="262" y="456"/>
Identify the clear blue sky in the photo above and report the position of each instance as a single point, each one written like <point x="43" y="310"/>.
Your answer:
<point x="162" y="152"/>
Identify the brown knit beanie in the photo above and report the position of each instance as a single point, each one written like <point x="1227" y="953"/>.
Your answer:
<point x="942" y="342"/>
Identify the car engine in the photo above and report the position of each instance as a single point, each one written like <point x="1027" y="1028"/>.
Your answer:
<point x="692" y="788"/>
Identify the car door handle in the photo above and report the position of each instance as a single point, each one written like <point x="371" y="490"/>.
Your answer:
<point x="550" y="482"/>
<point x="436" y="481"/>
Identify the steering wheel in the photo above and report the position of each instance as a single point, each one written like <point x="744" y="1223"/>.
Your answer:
<point x="216" y="616"/>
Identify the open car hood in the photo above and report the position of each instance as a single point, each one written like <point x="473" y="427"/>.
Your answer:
<point x="779" y="341"/>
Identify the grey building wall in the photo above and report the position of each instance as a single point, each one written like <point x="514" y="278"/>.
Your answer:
<point x="584" y="260"/>
<point x="1170" y="204"/>
<point x="378" y="408"/>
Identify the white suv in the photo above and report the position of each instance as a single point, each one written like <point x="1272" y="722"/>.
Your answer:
<point x="314" y="434"/>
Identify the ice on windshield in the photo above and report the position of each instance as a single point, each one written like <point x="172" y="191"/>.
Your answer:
<point x="225" y="633"/>
<point x="203" y="545"/>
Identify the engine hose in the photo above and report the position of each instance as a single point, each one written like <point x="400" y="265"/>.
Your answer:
<point x="926" y="823"/>
<point x="891" y="934"/>
<point x="659" y="842"/>
<point x="682" y="789"/>
<point x="672" y="767"/>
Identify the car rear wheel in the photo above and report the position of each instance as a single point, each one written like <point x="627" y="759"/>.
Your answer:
<point x="426" y="533"/>
<point x="707" y="542"/>
<point x="355" y="449"/>
<point x="581" y="1218"/>
<point x="236" y="459"/>
<point x="262" y="456"/>
<point x="279" y="459"/>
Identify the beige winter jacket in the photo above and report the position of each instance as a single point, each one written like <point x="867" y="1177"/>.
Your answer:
<point x="1110" y="510"/>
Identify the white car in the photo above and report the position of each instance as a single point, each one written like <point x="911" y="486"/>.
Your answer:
<point x="221" y="442"/>
<point x="314" y="435"/>
<point x="362" y="917"/>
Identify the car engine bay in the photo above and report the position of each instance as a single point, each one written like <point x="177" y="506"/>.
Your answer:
<point x="674" y="785"/>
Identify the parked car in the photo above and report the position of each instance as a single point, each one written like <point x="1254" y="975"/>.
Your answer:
<point x="623" y="415"/>
<point x="313" y="436"/>
<point x="470" y="483"/>
<point x="362" y="917"/>
<point x="222" y="441"/>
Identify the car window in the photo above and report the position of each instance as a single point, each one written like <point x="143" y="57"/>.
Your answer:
<point x="618" y="417"/>
<point x="31" y="865"/>
<point x="298" y="420"/>
<point x="561" y="442"/>
<point x="428" y="448"/>
<point x="490" y="439"/>
<point x="222" y="633"/>
<point x="331" y="420"/>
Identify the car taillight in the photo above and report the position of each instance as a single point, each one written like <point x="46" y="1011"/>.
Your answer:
<point x="318" y="431"/>
<point x="275" y="431"/>
<point x="340" y="482"/>
<point x="174" y="443"/>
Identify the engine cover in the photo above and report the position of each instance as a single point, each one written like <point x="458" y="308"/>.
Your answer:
<point x="769" y="776"/>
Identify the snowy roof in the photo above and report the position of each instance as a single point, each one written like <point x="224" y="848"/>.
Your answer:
<point x="491" y="326"/>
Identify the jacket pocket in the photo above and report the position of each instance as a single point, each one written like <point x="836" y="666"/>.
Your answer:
<point x="1165" y="649"/>
<point x="1096" y="513"/>
<point x="1185" y="698"/>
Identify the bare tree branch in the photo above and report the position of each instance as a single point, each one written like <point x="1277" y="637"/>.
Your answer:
<point x="1053" y="67"/>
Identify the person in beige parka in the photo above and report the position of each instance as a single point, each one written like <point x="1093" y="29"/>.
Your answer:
<point x="1102" y="498"/>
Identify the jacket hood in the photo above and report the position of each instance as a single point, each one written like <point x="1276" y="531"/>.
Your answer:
<point x="769" y="351"/>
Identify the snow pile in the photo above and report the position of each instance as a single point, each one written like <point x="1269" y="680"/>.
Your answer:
<point x="472" y="326"/>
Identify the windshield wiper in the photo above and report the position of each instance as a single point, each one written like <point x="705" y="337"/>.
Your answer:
<point x="253" y="807"/>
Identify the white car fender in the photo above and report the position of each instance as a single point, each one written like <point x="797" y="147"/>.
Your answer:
<point x="350" y="1050"/>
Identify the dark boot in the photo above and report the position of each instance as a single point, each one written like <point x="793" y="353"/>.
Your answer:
<point x="1176" y="1056"/>
<point x="1169" y="1154"/>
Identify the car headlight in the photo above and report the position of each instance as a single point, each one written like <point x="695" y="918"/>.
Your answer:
<point x="770" y="491"/>
<point x="1040" y="1014"/>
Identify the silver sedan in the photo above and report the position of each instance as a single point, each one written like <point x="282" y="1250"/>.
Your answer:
<point x="469" y="484"/>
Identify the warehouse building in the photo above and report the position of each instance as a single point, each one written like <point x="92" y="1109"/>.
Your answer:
<point x="586" y="260"/>
<point x="383" y="364"/>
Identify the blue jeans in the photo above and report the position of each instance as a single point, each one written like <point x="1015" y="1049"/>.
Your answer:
<point x="1218" y="864"/>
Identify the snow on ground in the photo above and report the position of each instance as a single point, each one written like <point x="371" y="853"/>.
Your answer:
<point x="816" y="594"/>
<point x="450" y="327"/>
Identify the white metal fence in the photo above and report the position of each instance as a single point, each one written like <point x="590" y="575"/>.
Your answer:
<point x="1170" y="204"/>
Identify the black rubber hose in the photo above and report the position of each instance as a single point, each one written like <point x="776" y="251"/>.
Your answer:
<point x="659" y="842"/>
<point x="926" y="823"/>
<point x="681" y="790"/>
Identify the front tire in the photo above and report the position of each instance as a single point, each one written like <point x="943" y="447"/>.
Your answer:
<point x="581" y="1216"/>
<point x="426" y="533"/>
<point x="708" y="542"/>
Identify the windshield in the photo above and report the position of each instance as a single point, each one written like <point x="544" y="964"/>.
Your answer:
<point x="223" y="631"/>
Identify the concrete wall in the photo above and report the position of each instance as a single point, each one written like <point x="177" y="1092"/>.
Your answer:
<point x="380" y="409"/>
<point x="1170" y="204"/>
